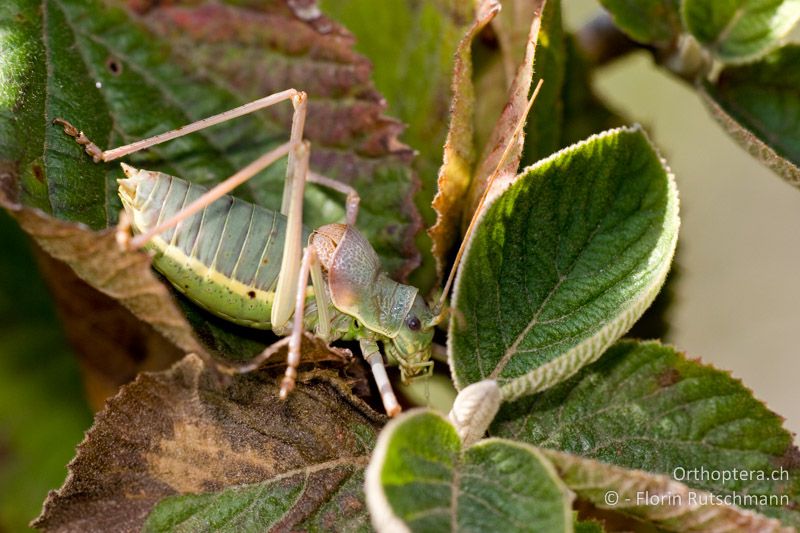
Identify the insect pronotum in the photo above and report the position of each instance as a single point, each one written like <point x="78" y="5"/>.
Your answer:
<point x="247" y="264"/>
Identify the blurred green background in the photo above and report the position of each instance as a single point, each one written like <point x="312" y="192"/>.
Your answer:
<point x="738" y="296"/>
<point x="737" y="304"/>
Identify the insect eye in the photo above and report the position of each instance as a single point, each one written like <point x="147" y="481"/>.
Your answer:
<point x="413" y="323"/>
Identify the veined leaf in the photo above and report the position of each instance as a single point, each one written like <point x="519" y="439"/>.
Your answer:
<point x="190" y="436"/>
<point x="565" y="258"/>
<point x="421" y="479"/>
<point x="656" y="499"/>
<point x="759" y="106"/>
<point x="645" y="406"/>
<point x="740" y="30"/>
<point x="647" y="21"/>
<point x="120" y="78"/>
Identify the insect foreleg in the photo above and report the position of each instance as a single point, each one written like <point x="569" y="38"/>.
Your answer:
<point x="372" y="354"/>
<point x="353" y="199"/>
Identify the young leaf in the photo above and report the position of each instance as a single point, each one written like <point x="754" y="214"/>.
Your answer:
<point x="657" y="500"/>
<point x="759" y="106"/>
<point x="648" y="21"/>
<point x="420" y="478"/>
<point x="183" y="432"/>
<point x="740" y="30"/>
<point x="562" y="263"/>
<point x="645" y="406"/>
<point x="544" y="129"/>
<point x="412" y="47"/>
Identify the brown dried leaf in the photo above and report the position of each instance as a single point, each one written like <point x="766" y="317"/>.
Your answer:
<point x="455" y="173"/>
<point x="512" y="113"/>
<point x="112" y="345"/>
<point x="97" y="259"/>
<point x="185" y="431"/>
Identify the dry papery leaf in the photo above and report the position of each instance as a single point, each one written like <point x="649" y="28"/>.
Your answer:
<point x="190" y="431"/>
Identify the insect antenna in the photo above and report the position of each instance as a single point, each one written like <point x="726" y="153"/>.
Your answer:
<point x="439" y="310"/>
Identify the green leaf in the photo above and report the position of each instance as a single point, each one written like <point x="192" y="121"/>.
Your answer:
<point x="565" y="258"/>
<point x="645" y="406"/>
<point x="740" y="30"/>
<point x="420" y="478"/>
<point x="655" y="499"/>
<point x="759" y="106"/>
<point x="190" y="435"/>
<point x="121" y="77"/>
<point x="647" y="21"/>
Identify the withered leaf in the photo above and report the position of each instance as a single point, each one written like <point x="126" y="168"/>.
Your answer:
<point x="459" y="156"/>
<point x="97" y="259"/>
<point x="511" y="115"/>
<point x="227" y="451"/>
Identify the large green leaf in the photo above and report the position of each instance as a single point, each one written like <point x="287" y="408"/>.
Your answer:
<point x="121" y="77"/>
<point x="759" y="106"/>
<point x="645" y="406"/>
<point x="421" y="479"/>
<point x="648" y="21"/>
<point x="740" y="30"/>
<point x="565" y="258"/>
<point x="190" y="436"/>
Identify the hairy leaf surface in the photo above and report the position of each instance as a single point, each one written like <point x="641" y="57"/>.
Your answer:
<point x="565" y="258"/>
<point x="421" y="479"/>
<point x="645" y="406"/>
<point x="189" y="434"/>
<point x="759" y="106"/>
<point x="741" y="30"/>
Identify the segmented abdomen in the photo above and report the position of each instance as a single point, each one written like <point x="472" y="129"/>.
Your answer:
<point x="226" y="257"/>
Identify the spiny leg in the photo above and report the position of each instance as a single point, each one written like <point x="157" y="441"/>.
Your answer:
<point x="115" y="153"/>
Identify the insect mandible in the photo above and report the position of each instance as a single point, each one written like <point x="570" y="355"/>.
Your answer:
<point x="212" y="247"/>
